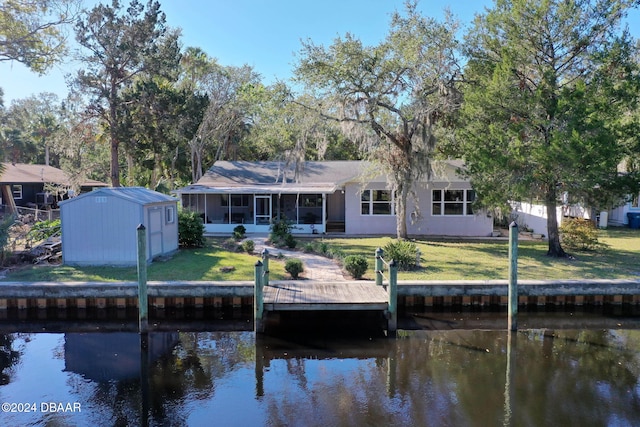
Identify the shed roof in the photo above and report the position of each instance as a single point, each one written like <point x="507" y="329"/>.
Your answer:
<point x="139" y="195"/>
<point x="23" y="173"/>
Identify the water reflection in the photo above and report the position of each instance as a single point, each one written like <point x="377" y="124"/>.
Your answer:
<point x="424" y="377"/>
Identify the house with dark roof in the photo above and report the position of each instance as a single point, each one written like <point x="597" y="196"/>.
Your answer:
<point x="24" y="185"/>
<point x="348" y="197"/>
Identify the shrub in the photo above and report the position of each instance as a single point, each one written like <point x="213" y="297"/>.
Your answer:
<point x="294" y="267"/>
<point x="335" y="253"/>
<point x="356" y="265"/>
<point x="281" y="234"/>
<point x="579" y="234"/>
<point x="239" y="232"/>
<point x="309" y="248"/>
<point x="190" y="229"/>
<point x="230" y="244"/>
<point x="403" y="252"/>
<point x="324" y="248"/>
<point x="281" y="228"/>
<point x="290" y="241"/>
<point x="42" y="230"/>
<point x="248" y="246"/>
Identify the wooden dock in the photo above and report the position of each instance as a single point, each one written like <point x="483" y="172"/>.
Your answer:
<point x="308" y="295"/>
<point x="304" y="295"/>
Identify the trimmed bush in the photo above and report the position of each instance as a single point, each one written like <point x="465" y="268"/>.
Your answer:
<point x="356" y="265"/>
<point x="308" y="248"/>
<point x="293" y="266"/>
<point x="403" y="252"/>
<point x="239" y="232"/>
<point x="248" y="246"/>
<point x="190" y="229"/>
<point x="580" y="234"/>
<point x="290" y="241"/>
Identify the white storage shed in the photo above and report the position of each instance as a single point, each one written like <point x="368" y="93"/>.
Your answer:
<point x="100" y="227"/>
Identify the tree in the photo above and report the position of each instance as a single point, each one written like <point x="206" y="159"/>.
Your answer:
<point x="549" y="84"/>
<point x="120" y="46"/>
<point x="283" y="128"/>
<point x="390" y="97"/>
<point x="224" y="121"/>
<point x="31" y="31"/>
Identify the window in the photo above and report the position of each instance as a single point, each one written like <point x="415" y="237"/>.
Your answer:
<point x="237" y="200"/>
<point x="310" y="201"/>
<point x="16" y="189"/>
<point x="453" y="202"/>
<point x="169" y="215"/>
<point x="377" y="202"/>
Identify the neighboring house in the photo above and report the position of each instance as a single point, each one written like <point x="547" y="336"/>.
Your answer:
<point x="348" y="197"/>
<point x="23" y="185"/>
<point x="618" y="216"/>
<point x="100" y="227"/>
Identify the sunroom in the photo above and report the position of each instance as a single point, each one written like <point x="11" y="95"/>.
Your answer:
<point x="222" y="211"/>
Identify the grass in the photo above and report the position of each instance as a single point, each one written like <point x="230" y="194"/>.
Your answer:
<point x="186" y="264"/>
<point x="485" y="260"/>
<point x="441" y="260"/>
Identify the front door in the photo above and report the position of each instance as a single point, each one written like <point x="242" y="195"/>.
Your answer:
<point x="263" y="210"/>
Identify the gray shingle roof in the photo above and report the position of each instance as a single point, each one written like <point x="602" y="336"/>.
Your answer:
<point x="139" y="195"/>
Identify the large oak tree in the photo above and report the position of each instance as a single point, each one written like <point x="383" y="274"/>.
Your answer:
<point x="32" y="31"/>
<point x="389" y="97"/>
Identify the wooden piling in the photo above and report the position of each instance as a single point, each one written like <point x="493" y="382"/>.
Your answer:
<point x="512" y="323"/>
<point x="393" y="298"/>
<point x="265" y="267"/>
<point x="379" y="255"/>
<point x="258" y="305"/>
<point x="143" y="301"/>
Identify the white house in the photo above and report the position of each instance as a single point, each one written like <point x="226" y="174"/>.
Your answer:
<point x="348" y="197"/>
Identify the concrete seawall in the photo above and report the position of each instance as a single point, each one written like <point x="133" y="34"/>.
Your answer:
<point x="23" y="295"/>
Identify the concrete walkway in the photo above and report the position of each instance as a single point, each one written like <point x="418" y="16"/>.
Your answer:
<point x="316" y="267"/>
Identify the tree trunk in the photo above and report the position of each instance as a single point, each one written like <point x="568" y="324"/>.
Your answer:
<point x="115" y="143"/>
<point x="555" y="249"/>
<point x="115" y="167"/>
<point x="402" y="194"/>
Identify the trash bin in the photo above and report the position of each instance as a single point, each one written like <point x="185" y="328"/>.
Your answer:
<point x="634" y="219"/>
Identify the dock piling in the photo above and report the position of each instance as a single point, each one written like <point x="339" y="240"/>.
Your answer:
<point x="393" y="298"/>
<point x="258" y="298"/>
<point x="143" y="300"/>
<point x="512" y="322"/>
<point x="379" y="255"/>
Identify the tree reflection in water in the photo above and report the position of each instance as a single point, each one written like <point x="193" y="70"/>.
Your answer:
<point x="427" y="378"/>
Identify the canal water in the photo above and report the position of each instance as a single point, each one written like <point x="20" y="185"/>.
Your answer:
<point x="560" y="369"/>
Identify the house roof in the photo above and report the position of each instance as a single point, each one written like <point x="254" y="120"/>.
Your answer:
<point x="139" y="195"/>
<point x="242" y="176"/>
<point x="22" y="173"/>
<point x="279" y="177"/>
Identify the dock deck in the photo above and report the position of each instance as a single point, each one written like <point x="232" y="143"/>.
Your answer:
<point x="306" y="295"/>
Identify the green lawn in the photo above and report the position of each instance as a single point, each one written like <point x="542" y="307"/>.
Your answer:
<point x="482" y="260"/>
<point x="441" y="260"/>
<point x="186" y="264"/>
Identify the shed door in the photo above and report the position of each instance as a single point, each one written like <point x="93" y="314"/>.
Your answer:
<point x="155" y="232"/>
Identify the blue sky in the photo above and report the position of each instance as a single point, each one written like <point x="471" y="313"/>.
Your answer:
<point x="262" y="33"/>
